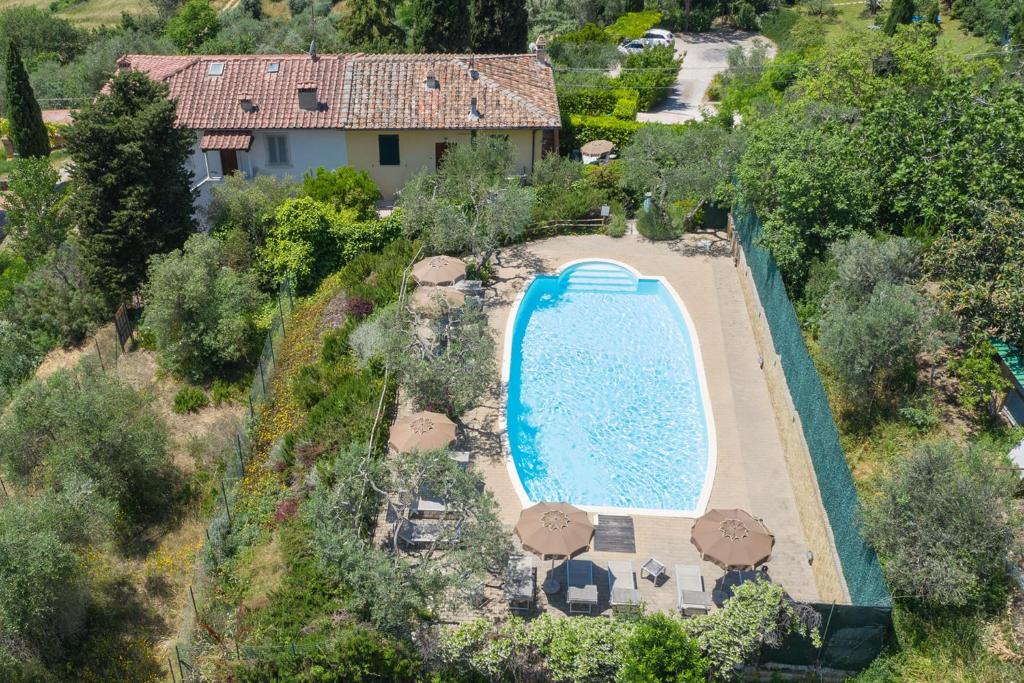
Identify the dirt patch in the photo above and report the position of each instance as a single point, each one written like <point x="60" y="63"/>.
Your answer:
<point x="333" y="315"/>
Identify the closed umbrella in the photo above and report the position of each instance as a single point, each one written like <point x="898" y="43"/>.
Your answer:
<point x="556" y="529"/>
<point x="732" y="539"/>
<point x="439" y="270"/>
<point x="597" y="148"/>
<point x="422" y="431"/>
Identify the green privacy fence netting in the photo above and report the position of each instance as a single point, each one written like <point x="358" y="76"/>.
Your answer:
<point x="859" y="563"/>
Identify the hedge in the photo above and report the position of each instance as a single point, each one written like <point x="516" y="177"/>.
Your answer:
<point x="586" y="128"/>
<point x="627" y="105"/>
<point x="590" y="101"/>
<point x="633" y="24"/>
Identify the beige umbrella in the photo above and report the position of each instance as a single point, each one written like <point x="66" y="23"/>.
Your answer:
<point x="434" y="300"/>
<point x="556" y="529"/>
<point x="439" y="270"/>
<point x="422" y="431"/>
<point x="597" y="148"/>
<point x="732" y="539"/>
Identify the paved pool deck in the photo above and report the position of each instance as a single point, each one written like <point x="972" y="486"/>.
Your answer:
<point x="754" y="471"/>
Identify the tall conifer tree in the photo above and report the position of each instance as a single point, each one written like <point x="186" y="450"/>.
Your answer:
<point x="440" y="26"/>
<point x="499" y="26"/>
<point x="27" y="130"/>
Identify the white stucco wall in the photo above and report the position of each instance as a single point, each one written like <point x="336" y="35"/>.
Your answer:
<point x="307" y="150"/>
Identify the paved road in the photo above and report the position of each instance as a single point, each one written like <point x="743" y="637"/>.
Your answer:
<point x="706" y="55"/>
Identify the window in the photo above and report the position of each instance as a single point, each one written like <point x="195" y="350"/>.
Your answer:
<point x="387" y="145"/>
<point x="273" y="67"/>
<point x="277" y="146"/>
<point x="216" y="69"/>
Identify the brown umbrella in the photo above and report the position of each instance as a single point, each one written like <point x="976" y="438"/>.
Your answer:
<point x="597" y="148"/>
<point x="732" y="539"/>
<point x="433" y="300"/>
<point x="557" y="529"/>
<point x="439" y="270"/>
<point x="422" y="431"/>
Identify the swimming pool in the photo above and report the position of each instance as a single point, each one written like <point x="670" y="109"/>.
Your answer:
<point x="607" y="403"/>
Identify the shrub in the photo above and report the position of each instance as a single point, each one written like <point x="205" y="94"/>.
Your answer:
<point x="627" y="105"/>
<point x="980" y="376"/>
<point x="18" y="358"/>
<point x="190" y="400"/>
<point x="655" y="225"/>
<point x="562" y="194"/>
<point x="652" y="73"/>
<point x="344" y="188"/>
<point x="616" y="225"/>
<point x="580" y="650"/>
<point x="37" y="220"/>
<point x="194" y="23"/>
<point x="589" y="101"/>
<point x="583" y="129"/>
<point x="360" y="237"/>
<point x="746" y="17"/>
<point x="222" y="392"/>
<point x="303" y="243"/>
<point x="245" y="207"/>
<point x="633" y="24"/>
<point x="697" y="20"/>
<point x="201" y="311"/>
<point x="358" y="307"/>
<point x="659" y="649"/>
<point x="942" y="524"/>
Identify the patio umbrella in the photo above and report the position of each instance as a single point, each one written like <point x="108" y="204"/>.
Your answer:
<point x="433" y="300"/>
<point x="556" y="529"/>
<point x="732" y="539"/>
<point x="422" y="431"/>
<point x="439" y="270"/>
<point x="597" y="148"/>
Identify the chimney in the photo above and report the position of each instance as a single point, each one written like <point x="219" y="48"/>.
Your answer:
<point x="542" y="50"/>
<point x="312" y="50"/>
<point x="431" y="82"/>
<point x="245" y="102"/>
<point x="307" y="97"/>
<point x="473" y="73"/>
<point x="474" y="113"/>
<point x="123" y="62"/>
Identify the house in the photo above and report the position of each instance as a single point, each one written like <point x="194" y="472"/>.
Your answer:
<point x="390" y="114"/>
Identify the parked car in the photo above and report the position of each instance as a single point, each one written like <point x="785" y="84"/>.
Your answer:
<point x="633" y="46"/>
<point x="659" y="37"/>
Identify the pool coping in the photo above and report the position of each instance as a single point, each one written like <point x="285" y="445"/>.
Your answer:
<point x="712" y="441"/>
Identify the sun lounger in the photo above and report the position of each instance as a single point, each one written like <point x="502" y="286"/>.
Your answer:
<point x="691" y="598"/>
<point x="622" y="584"/>
<point x="520" y="582"/>
<point x="582" y="590"/>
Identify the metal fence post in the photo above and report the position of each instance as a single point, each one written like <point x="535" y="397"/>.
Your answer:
<point x="227" y="509"/>
<point x="263" y="381"/>
<point x="170" y="666"/>
<point x="99" y="355"/>
<point x="280" y="312"/>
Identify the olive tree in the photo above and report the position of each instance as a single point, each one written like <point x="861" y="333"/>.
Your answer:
<point x="473" y="204"/>
<point x="82" y="427"/>
<point x="943" y="524"/>
<point x="201" y="311"/>
<point x="37" y="219"/>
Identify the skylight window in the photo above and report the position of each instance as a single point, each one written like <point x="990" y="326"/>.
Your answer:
<point x="273" y="68"/>
<point x="216" y="69"/>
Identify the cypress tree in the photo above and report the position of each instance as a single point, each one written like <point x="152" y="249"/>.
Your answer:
<point x="27" y="130"/>
<point x="130" y="182"/>
<point x="440" y="26"/>
<point x="499" y="26"/>
<point x="901" y="12"/>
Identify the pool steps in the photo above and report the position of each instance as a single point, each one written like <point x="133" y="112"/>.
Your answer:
<point x="600" y="277"/>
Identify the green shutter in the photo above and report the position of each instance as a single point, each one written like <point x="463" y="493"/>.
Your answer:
<point x="387" y="146"/>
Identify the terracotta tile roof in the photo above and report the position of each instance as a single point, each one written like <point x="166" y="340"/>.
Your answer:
<point x="357" y="91"/>
<point x="226" y="139"/>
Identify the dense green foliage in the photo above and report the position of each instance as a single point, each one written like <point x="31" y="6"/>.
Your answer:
<point x="659" y="649"/>
<point x="900" y="12"/>
<point x="941" y="524"/>
<point x="130" y="181"/>
<point x="200" y="310"/>
<point x="343" y="187"/>
<point x="83" y="428"/>
<point x="439" y="26"/>
<point x="195" y="23"/>
<point x="27" y="131"/>
<point x="498" y="26"/>
<point x="36" y="208"/>
<point x="242" y="213"/>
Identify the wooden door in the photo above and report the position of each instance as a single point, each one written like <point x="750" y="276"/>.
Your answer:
<point x="439" y="149"/>
<point x="228" y="161"/>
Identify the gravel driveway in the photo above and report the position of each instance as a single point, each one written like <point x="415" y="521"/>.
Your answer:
<point x="706" y="55"/>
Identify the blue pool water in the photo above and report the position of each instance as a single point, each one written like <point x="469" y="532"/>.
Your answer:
<point x="605" y="405"/>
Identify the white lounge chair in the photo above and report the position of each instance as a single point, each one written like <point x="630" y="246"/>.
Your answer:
<point x="581" y="591"/>
<point x="691" y="598"/>
<point x="520" y="582"/>
<point x="622" y="584"/>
